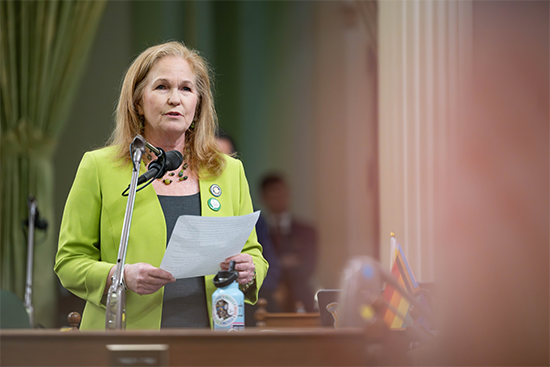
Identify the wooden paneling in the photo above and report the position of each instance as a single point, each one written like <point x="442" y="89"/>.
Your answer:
<point x="251" y="347"/>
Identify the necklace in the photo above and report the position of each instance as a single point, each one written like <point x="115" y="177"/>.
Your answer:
<point x="181" y="174"/>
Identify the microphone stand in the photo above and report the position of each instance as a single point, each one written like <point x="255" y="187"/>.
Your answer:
<point x="30" y="252"/>
<point x="115" y="315"/>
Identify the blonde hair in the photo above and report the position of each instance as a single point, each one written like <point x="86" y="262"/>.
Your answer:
<point x="201" y="146"/>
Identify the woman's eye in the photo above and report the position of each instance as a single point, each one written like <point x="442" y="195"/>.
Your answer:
<point x="161" y="87"/>
<point x="187" y="89"/>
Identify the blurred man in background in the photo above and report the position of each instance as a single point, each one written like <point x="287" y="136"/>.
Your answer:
<point x="295" y="244"/>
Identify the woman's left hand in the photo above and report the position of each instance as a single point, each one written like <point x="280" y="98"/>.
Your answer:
<point x="244" y="265"/>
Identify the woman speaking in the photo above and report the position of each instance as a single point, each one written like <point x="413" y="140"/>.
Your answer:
<point x="166" y="97"/>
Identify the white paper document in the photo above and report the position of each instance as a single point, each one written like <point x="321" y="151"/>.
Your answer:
<point x="199" y="244"/>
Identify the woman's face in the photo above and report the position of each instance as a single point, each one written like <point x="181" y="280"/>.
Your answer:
<point x="169" y="99"/>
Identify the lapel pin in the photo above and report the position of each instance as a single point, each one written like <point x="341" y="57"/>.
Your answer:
<point x="214" y="204"/>
<point x="215" y="190"/>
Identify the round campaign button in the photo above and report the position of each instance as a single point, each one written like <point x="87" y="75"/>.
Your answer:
<point x="214" y="204"/>
<point x="216" y="190"/>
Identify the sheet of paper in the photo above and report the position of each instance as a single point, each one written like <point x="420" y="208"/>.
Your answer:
<point x="199" y="244"/>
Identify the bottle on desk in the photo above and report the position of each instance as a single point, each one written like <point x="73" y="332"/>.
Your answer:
<point x="227" y="301"/>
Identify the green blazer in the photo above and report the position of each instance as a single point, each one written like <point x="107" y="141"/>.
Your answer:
<point x="91" y="227"/>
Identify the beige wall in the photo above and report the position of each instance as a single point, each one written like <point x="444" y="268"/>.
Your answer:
<point x="345" y="138"/>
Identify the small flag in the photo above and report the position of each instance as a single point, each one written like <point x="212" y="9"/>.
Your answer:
<point x="397" y="313"/>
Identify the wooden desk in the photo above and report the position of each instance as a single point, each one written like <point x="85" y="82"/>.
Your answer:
<point x="251" y="347"/>
<point x="288" y="319"/>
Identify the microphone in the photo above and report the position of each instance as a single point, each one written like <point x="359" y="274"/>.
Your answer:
<point x="39" y="223"/>
<point x="166" y="162"/>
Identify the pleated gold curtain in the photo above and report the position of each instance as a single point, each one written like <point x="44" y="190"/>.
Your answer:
<point x="44" y="46"/>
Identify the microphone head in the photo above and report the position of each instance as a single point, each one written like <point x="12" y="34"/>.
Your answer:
<point x="173" y="160"/>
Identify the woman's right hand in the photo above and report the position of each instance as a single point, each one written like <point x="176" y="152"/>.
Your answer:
<point x="143" y="278"/>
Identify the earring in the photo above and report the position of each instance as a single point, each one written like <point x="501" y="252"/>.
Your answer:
<point x="192" y="125"/>
<point x="141" y="122"/>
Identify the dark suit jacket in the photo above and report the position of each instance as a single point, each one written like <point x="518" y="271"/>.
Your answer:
<point x="297" y="254"/>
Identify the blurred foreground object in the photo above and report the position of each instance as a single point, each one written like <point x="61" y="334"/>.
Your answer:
<point x="464" y="138"/>
<point x="362" y="304"/>
<point x="361" y="300"/>
<point x="492" y="260"/>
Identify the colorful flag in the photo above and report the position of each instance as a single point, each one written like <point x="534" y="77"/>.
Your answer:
<point x="397" y="313"/>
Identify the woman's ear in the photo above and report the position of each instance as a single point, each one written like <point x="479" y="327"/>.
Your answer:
<point x="139" y="108"/>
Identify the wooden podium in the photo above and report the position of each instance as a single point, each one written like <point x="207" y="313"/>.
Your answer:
<point x="186" y="347"/>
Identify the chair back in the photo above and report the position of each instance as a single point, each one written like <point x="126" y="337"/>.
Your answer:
<point x="12" y="312"/>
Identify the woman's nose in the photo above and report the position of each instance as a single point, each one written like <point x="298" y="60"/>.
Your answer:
<point x="173" y="98"/>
